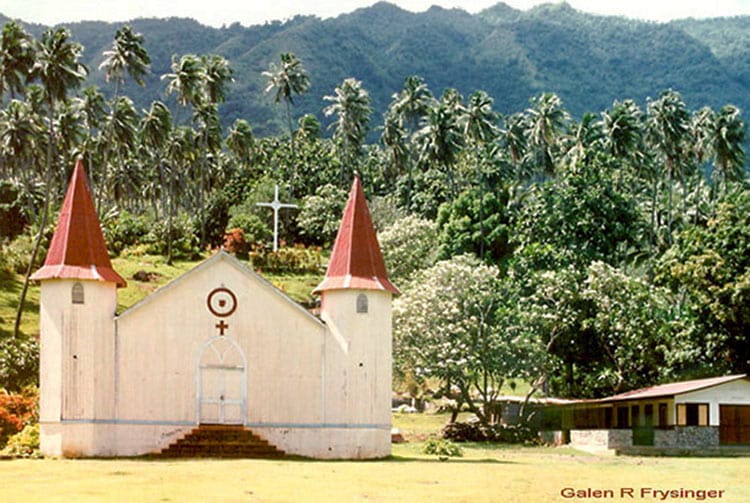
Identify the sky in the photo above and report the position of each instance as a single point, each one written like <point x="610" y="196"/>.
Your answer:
<point x="250" y="12"/>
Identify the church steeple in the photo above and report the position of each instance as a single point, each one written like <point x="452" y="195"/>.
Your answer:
<point x="77" y="250"/>
<point x="356" y="261"/>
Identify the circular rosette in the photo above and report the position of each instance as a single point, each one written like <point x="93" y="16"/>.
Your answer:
<point x="221" y="302"/>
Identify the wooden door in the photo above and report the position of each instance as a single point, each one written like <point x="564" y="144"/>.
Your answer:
<point x="734" y="424"/>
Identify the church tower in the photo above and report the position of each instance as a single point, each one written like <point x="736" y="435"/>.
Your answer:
<point x="356" y="306"/>
<point x="77" y="309"/>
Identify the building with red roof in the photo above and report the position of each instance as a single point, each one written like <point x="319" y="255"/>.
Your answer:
<point x="219" y="349"/>
<point x="700" y="414"/>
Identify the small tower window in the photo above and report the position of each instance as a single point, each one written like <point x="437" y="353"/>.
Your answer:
<point x="362" y="303"/>
<point x="76" y="293"/>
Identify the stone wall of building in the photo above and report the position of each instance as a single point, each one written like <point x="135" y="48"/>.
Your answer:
<point x="687" y="437"/>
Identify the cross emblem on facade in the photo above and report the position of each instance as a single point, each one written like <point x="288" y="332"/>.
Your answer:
<point x="222" y="326"/>
<point x="276" y="205"/>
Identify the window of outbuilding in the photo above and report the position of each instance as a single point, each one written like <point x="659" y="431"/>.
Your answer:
<point x="362" y="303"/>
<point x="692" y="414"/>
<point x="76" y="294"/>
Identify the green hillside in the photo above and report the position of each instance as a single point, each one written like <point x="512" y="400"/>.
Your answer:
<point x="587" y="60"/>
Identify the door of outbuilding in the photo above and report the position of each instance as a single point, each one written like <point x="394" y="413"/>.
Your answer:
<point x="734" y="424"/>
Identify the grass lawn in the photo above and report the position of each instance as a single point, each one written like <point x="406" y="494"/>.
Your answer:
<point x="485" y="473"/>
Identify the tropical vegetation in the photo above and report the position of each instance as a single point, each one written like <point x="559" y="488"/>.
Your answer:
<point x="585" y="255"/>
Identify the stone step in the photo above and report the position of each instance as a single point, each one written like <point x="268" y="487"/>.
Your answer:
<point x="221" y="441"/>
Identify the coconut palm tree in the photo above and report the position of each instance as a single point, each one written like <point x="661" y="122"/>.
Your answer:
<point x="58" y="69"/>
<point x="92" y="107"/>
<point x="186" y="80"/>
<point x="126" y="56"/>
<point x="241" y="142"/>
<point x="728" y="138"/>
<point x="480" y="121"/>
<point x="218" y="77"/>
<point x="284" y="81"/>
<point x="668" y="124"/>
<point x="122" y="131"/>
<point x="16" y="59"/>
<point x="408" y="107"/>
<point x="154" y="131"/>
<point x="513" y="139"/>
<point x="584" y="141"/>
<point x="351" y="106"/>
<point x="20" y="129"/>
<point x="546" y="119"/>
<point x="479" y="124"/>
<point x="440" y="139"/>
<point x="394" y="138"/>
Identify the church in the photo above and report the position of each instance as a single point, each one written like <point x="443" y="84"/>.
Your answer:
<point x="219" y="345"/>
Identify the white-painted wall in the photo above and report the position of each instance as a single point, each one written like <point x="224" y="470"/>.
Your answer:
<point x="318" y="389"/>
<point x="76" y="346"/>
<point x="731" y="393"/>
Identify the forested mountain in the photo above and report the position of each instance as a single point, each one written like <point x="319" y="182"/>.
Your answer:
<point x="587" y="60"/>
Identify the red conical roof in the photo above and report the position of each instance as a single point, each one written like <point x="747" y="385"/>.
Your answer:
<point x="77" y="250"/>
<point x="356" y="261"/>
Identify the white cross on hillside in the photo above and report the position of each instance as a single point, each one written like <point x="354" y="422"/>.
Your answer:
<point x="276" y="205"/>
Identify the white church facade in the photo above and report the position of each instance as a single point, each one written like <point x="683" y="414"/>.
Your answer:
<point x="219" y="345"/>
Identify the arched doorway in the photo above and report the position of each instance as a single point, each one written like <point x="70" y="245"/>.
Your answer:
<point x="222" y="383"/>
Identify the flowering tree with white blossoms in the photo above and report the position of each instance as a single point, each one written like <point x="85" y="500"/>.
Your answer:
<point x="455" y="324"/>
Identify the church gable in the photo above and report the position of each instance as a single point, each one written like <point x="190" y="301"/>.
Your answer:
<point x="220" y="268"/>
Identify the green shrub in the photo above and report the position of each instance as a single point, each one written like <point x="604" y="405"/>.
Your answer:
<point x="125" y="230"/>
<point x="442" y="448"/>
<point x="15" y="255"/>
<point x="499" y="433"/>
<point x="320" y="214"/>
<point x="253" y="227"/>
<point x="185" y="243"/>
<point x="297" y="259"/>
<point x="19" y="362"/>
<point x="24" y="444"/>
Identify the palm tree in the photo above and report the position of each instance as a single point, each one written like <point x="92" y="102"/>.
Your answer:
<point x="545" y="119"/>
<point x="218" y="76"/>
<point x="241" y="142"/>
<point x="126" y="56"/>
<point x="19" y="131"/>
<point x="480" y="121"/>
<point x="154" y="131"/>
<point x="585" y="141"/>
<point x="408" y="107"/>
<point x="440" y="139"/>
<point x="668" y="125"/>
<point x="702" y="124"/>
<point x="514" y="141"/>
<point x="92" y="108"/>
<point x="57" y="67"/>
<point x="394" y="138"/>
<point x="480" y="129"/>
<point x="728" y="138"/>
<point x="186" y="80"/>
<point x="623" y="129"/>
<point x="16" y="59"/>
<point x="286" y="80"/>
<point x="122" y="131"/>
<point x="351" y="106"/>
